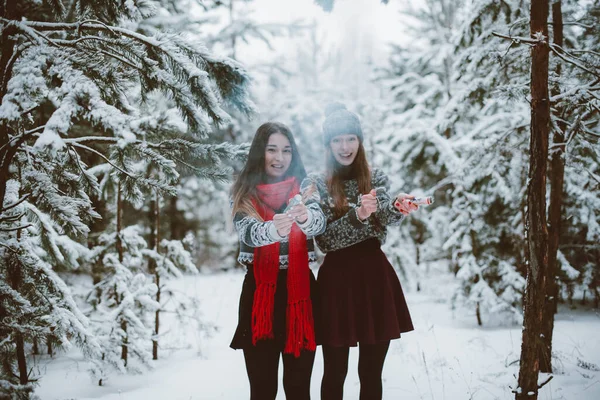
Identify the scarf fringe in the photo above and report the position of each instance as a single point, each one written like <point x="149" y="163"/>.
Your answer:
<point x="262" y="312"/>
<point x="300" y="333"/>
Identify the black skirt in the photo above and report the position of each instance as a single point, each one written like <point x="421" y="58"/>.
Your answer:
<point x="243" y="334"/>
<point x="361" y="297"/>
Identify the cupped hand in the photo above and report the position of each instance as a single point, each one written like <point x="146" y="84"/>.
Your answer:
<point x="368" y="205"/>
<point x="298" y="213"/>
<point x="283" y="223"/>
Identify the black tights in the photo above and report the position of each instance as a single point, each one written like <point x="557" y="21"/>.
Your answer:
<point x="262" y="365"/>
<point x="370" y="366"/>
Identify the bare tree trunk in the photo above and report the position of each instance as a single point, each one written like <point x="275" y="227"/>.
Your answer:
<point x="175" y="235"/>
<point x="478" y="314"/>
<point x="233" y="36"/>
<point x="21" y="360"/>
<point x="537" y="238"/>
<point x="155" y="210"/>
<point x="418" y="261"/>
<point x="15" y="279"/>
<point x="118" y="241"/>
<point x="119" y="247"/>
<point x="7" y="10"/>
<point x="556" y="199"/>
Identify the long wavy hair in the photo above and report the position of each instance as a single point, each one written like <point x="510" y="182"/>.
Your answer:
<point x="359" y="169"/>
<point x="253" y="173"/>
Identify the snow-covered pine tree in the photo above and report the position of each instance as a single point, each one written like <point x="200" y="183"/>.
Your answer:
<point x="170" y="260"/>
<point x="447" y="136"/>
<point x="35" y="304"/>
<point x="68" y="64"/>
<point x="123" y="303"/>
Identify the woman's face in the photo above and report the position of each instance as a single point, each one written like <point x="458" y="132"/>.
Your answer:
<point x="278" y="157"/>
<point x="344" y="148"/>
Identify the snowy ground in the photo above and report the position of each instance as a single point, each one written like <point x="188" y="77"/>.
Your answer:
<point x="447" y="357"/>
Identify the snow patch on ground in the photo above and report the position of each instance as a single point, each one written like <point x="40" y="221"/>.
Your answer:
<point x="447" y="357"/>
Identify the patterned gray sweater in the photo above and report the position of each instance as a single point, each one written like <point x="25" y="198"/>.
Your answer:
<point x="254" y="233"/>
<point x="349" y="229"/>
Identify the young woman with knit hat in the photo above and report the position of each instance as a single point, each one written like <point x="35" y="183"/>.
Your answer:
<point x="276" y="245"/>
<point x="362" y="302"/>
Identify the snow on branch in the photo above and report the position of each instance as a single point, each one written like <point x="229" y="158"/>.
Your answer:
<point x="189" y="72"/>
<point x="519" y="39"/>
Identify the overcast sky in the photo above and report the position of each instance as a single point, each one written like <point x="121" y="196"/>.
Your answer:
<point x="358" y="27"/>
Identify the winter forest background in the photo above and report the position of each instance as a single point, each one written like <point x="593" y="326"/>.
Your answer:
<point x="123" y="122"/>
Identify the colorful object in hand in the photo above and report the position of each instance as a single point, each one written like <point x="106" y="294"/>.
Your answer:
<point x="419" y="201"/>
<point x="422" y="201"/>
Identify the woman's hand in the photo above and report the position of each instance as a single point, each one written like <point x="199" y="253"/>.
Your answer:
<point x="368" y="205"/>
<point x="404" y="205"/>
<point x="298" y="213"/>
<point x="283" y="223"/>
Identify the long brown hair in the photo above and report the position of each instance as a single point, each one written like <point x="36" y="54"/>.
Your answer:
<point x="359" y="169"/>
<point x="253" y="173"/>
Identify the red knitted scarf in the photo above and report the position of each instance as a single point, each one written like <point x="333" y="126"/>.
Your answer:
<point x="300" y="333"/>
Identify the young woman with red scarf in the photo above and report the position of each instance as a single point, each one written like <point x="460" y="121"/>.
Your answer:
<point x="276" y="245"/>
<point x="362" y="302"/>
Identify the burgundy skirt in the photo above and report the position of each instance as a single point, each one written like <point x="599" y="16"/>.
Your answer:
<point x="242" y="337"/>
<point x="361" y="297"/>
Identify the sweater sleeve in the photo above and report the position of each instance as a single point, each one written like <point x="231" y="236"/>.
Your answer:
<point x="386" y="213"/>
<point x="341" y="232"/>
<point x="255" y="233"/>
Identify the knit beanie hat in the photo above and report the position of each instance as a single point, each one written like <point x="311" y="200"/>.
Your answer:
<point x="340" y="121"/>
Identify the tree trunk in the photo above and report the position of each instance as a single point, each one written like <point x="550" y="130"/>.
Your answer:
<point x="36" y="348"/>
<point x="156" y="223"/>
<point x="119" y="247"/>
<point x="49" y="348"/>
<point x="173" y="219"/>
<point x="537" y="237"/>
<point x="118" y="242"/>
<point x="125" y="342"/>
<point x="478" y="314"/>
<point x="7" y="10"/>
<point x="14" y="276"/>
<point x="418" y="261"/>
<point x="556" y="199"/>
<point x="233" y="35"/>
<point x="21" y="360"/>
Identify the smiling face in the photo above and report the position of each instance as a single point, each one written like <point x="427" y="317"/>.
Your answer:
<point x="278" y="157"/>
<point x="344" y="148"/>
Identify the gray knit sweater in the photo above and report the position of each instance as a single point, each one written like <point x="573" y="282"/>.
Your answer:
<point x="254" y="233"/>
<point x="349" y="229"/>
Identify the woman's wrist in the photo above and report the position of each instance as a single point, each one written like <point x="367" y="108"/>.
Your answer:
<point x="361" y="214"/>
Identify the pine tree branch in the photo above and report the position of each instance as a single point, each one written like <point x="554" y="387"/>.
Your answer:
<point x="567" y="58"/>
<point x="104" y="157"/>
<point x="22" y="199"/>
<point x="91" y="139"/>
<point x="33" y="34"/>
<point x="123" y="60"/>
<point x="92" y="21"/>
<point x="577" y="24"/>
<point x="586" y="52"/>
<point x="11" y="218"/>
<point x="65" y="42"/>
<point x="18" y="228"/>
<point x="517" y="39"/>
<point x="9" y="248"/>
